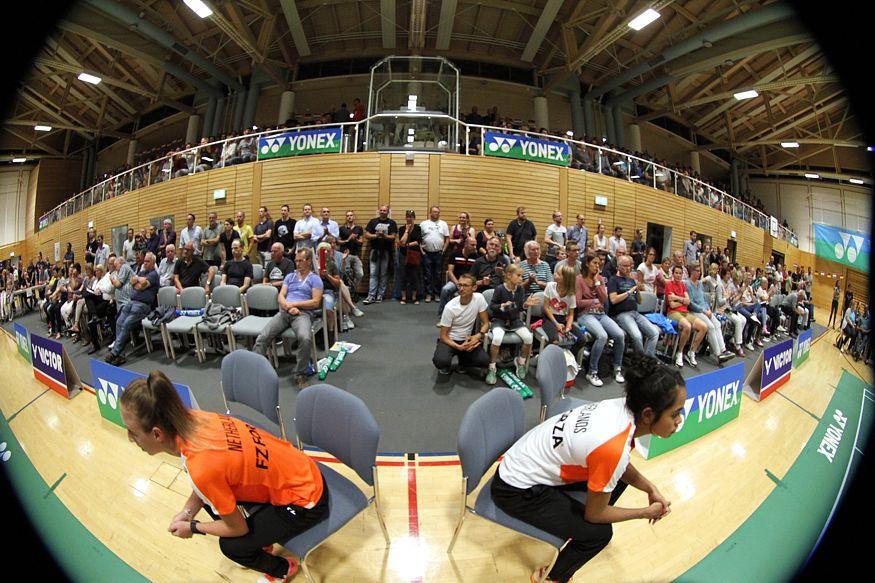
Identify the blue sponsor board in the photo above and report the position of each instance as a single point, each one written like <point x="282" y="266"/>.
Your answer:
<point x="109" y="383"/>
<point x="52" y="367"/>
<point x="772" y="369"/>
<point x="22" y="339"/>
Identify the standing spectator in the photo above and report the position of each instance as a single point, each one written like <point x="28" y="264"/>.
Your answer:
<point x="836" y="294"/>
<point x="226" y="238"/>
<point x="410" y="238"/>
<point x="327" y="227"/>
<point x="460" y="263"/>
<point x="283" y="231"/>
<point x="129" y="252"/>
<point x="300" y="295"/>
<point x="691" y="251"/>
<point x="101" y="252"/>
<point x="167" y="267"/>
<point x="460" y="233"/>
<point x="381" y="233"/>
<point x="188" y="272"/>
<point x="90" y="245"/>
<point x="572" y="258"/>
<point x="262" y="235"/>
<point x="536" y="272"/>
<point x="555" y="237"/>
<point x="237" y="270"/>
<point x="580" y="234"/>
<point x="623" y="294"/>
<point x="483" y="236"/>
<point x="192" y="233"/>
<point x="457" y="336"/>
<point x="153" y="241"/>
<point x="305" y="229"/>
<point x="600" y="239"/>
<point x="143" y="297"/>
<point x="247" y="235"/>
<point x="350" y="242"/>
<point x="211" y="248"/>
<point x="638" y="247"/>
<point x="489" y="269"/>
<point x="519" y="232"/>
<point x="70" y="257"/>
<point x="648" y="272"/>
<point x="167" y="237"/>
<point x="617" y="242"/>
<point x="435" y="239"/>
<point x="358" y="110"/>
<point x="849" y="298"/>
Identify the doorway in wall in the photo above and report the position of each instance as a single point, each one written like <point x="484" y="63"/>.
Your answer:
<point x="659" y="237"/>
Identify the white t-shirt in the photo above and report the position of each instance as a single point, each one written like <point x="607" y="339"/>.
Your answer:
<point x="559" y="235"/>
<point x="590" y="443"/>
<point x="433" y="234"/>
<point x="614" y="244"/>
<point x="649" y="276"/>
<point x="599" y="242"/>
<point x="460" y="319"/>
<point x="559" y="304"/>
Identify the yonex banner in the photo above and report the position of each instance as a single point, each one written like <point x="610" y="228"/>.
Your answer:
<point x="802" y="349"/>
<point x="713" y="399"/>
<point x="771" y="370"/>
<point x="52" y="367"/>
<point x="849" y="248"/>
<point x="22" y="339"/>
<point x="520" y="147"/>
<point x="109" y="383"/>
<point x="322" y="141"/>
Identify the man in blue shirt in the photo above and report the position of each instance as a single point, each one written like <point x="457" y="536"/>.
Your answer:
<point x="300" y="294"/>
<point x="143" y="296"/>
<point x="700" y="306"/>
<point x="579" y="233"/>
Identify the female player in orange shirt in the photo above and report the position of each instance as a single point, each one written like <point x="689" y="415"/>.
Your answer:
<point x="229" y="462"/>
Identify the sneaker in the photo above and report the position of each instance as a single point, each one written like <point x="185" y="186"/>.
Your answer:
<point x="491" y="377"/>
<point x="350" y="324"/>
<point x="618" y="375"/>
<point x="427" y="299"/>
<point x="300" y="381"/>
<point x="445" y="371"/>
<point x="593" y="379"/>
<point x="726" y="355"/>
<point x="690" y="357"/>
<point x="379" y="299"/>
<point x="521" y="371"/>
<point x="293" y="568"/>
<point x="369" y="300"/>
<point x="357" y="313"/>
<point x="755" y="318"/>
<point x="679" y="360"/>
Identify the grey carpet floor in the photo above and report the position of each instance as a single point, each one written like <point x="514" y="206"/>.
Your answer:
<point x="417" y="409"/>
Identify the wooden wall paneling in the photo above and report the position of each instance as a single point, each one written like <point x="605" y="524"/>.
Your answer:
<point x="821" y="290"/>
<point x="384" y="195"/>
<point x="597" y="184"/>
<point x="409" y="186"/>
<point x="624" y="210"/>
<point x="196" y="195"/>
<point x="653" y="206"/>
<point x="223" y="179"/>
<point x="434" y="178"/>
<point x="703" y="220"/>
<point x="750" y="248"/>
<point x="859" y="283"/>
<point x="243" y="175"/>
<point x="164" y="198"/>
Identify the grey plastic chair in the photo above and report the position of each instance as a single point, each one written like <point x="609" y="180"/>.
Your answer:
<point x="223" y="295"/>
<point x="166" y="297"/>
<point x="191" y="298"/>
<point x="490" y="426"/>
<point x="248" y="378"/>
<point x="340" y="424"/>
<point x="648" y="302"/>
<point x="258" y="297"/>
<point x="551" y="373"/>
<point x="257" y="273"/>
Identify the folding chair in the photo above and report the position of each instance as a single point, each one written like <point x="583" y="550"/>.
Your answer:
<point x="166" y="297"/>
<point x="191" y="298"/>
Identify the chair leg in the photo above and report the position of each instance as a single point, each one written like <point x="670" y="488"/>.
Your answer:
<point x="306" y="571"/>
<point x="198" y="345"/>
<point x="147" y="334"/>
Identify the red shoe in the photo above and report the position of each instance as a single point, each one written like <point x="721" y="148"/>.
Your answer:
<point x="293" y="568"/>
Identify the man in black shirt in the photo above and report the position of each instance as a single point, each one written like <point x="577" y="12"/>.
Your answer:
<point x="283" y="232"/>
<point x="188" y="272"/>
<point x="278" y="267"/>
<point x="519" y="232"/>
<point x="238" y="270"/>
<point x="460" y="263"/>
<point x="152" y="241"/>
<point x="381" y="232"/>
<point x="350" y="243"/>
<point x="489" y="269"/>
<point x="263" y="233"/>
<point x="226" y="238"/>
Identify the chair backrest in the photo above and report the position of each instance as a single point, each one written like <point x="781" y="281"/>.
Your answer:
<point x="227" y="295"/>
<point x="193" y="298"/>
<point x="648" y="302"/>
<point x="263" y="297"/>
<point x="487" y="295"/>
<point x="257" y="273"/>
<point x="490" y="426"/>
<point x="167" y="296"/>
<point x="341" y="424"/>
<point x="249" y="378"/>
<point x="552" y="373"/>
<point x="537" y="311"/>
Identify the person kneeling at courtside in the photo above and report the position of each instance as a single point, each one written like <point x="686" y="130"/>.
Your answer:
<point x="229" y="463"/>
<point x="457" y="323"/>
<point x="555" y="456"/>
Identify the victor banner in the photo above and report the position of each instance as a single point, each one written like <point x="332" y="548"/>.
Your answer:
<point x="52" y="367"/>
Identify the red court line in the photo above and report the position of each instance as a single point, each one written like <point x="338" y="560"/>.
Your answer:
<point x="399" y="464"/>
<point x="446" y="463"/>
<point x="412" y="510"/>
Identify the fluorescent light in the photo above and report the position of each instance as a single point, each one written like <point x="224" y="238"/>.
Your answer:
<point x="19" y="160"/>
<point x="811" y="175"/>
<point x="790" y="144"/>
<point x="746" y="94"/>
<point x="198" y="7"/>
<point x="644" y="19"/>
<point x="855" y="181"/>
<point x="89" y="78"/>
<point x="41" y="128"/>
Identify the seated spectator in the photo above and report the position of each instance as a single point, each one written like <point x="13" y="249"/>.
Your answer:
<point x="143" y="298"/>
<point x="572" y="258"/>
<point x="623" y="294"/>
<point x="677" y="308"/>
<point x="238" y="270"/>
<point x="536" y="273"/>
<point x="278" y="267"/>
<point x="457" y="336"/>
<point x="167" y="267"/>
<point x="489" y="270"/>
<point x="507" y="310"/>
<point x="699" y="305"/>
<point x="329" y="273"/>
<point x="188" y="272"/>
<point x="592" y="299"/>
<point x="559" y="305"/>
<point x="461" y="262"/>
<point x="300" y="295"/>
<point x="726" y="292"/>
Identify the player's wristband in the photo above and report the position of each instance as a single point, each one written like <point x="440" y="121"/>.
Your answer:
<point x="194" y="529"/>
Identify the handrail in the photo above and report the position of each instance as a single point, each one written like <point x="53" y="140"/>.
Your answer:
<point x="691" y="188"/>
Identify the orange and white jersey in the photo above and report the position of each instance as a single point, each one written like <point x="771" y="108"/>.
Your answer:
<point x="590" y="443"/>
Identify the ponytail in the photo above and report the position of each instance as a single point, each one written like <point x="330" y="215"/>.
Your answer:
<point x="649" y="383"/>
<point x="154" y="402"/>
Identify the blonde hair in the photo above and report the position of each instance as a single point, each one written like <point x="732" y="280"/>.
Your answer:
<point x="566" y="280"/>
<point x="513" y="268"/>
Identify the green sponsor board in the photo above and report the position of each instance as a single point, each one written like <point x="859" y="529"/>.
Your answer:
<point x="323" y="141"/>
<point x="781" y="534"/>
<point x="849" y="248"/>
<point x="713" y="399"/>
<point x="520" y="147"/>
<point x="22" y="339"/>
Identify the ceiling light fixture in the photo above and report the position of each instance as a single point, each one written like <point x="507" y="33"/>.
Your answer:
<point x="811" y="175"/>
<point x="198" y="7"/>
<point x="746" y="94"/>
<point x="89" y="78"/>
<point x="19" y="160"/>
<point x="42" y="128"/>
<point x="790" y="144"/>
<point x="855" y="181"/>
<point x="643" y="19"/>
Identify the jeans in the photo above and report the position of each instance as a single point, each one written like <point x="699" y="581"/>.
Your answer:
<point x="301" y="325"/>
<point x="602" y="327"/>
<point x="447" y="293"/>
<point x="379" y="264"/>
<point x="432" y="262"/>
<point x="643" y="334"/>
<point x="131" y="315"/>
<point x="715" y="334"/>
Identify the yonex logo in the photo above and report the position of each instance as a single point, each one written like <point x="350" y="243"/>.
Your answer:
<point x="108" y="394"/>
<point x="504" y="144"/>
<point x="273" y="145"/>
<point x="4" y="454"/>
<point x="688" y="405"/>
<point x="852" y="251"/>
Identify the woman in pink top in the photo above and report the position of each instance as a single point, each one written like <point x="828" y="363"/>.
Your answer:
<point x="591" y="299"/>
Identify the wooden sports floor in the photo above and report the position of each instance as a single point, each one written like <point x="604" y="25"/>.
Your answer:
<point x="125" y="498"/>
